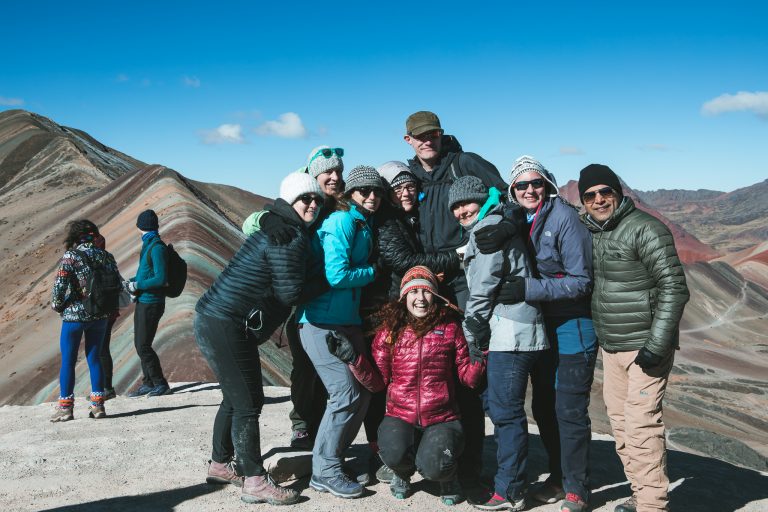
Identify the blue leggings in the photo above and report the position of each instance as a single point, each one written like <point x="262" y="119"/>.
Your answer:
<point x="71" y="333"/>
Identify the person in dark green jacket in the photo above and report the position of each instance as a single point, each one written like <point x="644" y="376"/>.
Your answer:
<point x="147" y="286"/>
<point x="638" y="299"/>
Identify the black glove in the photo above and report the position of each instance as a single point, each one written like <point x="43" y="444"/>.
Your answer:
<point x="475" y="354"/>
<point x="646" y="359"/>
<point x="340" y="346"/>
<point x="480" y="331"/>
<point x="490" y="239"/>
<point x="512" y="290"/>
<point x="275" y="227"/>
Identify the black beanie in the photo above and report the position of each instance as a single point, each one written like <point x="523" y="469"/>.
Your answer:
<point x="598" y="174"/>
<point x="147" y="221"/>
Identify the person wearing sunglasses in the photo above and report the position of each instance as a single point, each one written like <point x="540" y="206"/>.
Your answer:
<point x="561" y="378"/>
<point x="638" y="300"/>
<point x="439" y="161"/>
<point x="251" y="297"/>
<point x="345" y="245"/>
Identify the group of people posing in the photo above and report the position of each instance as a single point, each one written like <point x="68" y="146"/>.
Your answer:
<point x="418" y="297"/>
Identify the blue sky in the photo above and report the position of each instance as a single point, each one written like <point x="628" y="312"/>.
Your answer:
<point x="669" y="94"/>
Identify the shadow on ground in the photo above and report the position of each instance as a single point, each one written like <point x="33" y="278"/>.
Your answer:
<point x="161" y="501"/>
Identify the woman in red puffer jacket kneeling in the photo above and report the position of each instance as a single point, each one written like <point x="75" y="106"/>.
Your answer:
<point x="420" y="350"/>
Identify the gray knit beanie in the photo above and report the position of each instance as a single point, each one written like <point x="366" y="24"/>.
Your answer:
<point x="318" y="164"/>
<point x="467" y="188"/>
<point x="396" y="173"/>
<point x="363" y="176"/>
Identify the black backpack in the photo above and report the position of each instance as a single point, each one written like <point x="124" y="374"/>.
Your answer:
<point x="102" y="294"/>
<point x="175" y="268"/>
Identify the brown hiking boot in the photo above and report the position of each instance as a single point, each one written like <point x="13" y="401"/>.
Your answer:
<point x="222" y="473"/>
<point x="62" y="414"/>
<point x="96" y="409"/>
<point x="262" y="489"/>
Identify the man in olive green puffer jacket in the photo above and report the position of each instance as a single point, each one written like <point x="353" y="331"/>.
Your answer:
<point x="637" y="301"/>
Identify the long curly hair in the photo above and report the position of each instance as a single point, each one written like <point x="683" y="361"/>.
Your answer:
<point x="395" y="317"/>
<point x="78" y="232"/>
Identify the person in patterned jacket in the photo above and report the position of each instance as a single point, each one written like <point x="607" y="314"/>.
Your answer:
<point x="69" y="294"/>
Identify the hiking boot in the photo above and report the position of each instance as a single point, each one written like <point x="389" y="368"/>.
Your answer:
<point x="573" y="503"/>
<point x="109" y="393"/>
<point x="262" y="489"/>
<point x="62" y="414"/>
<point x="548" y="491"/>
<point x="628" y="506"/>
<point x="97" y="412"/>
<point x="384" y="474"/>
<point x="451" y="492"/>
<point x="142" y="391"/>
<point x="400" y="487"/>
<point x="496" y="502"/>
<point x="160" y="390"/>
<point x="301" y="440"/>
<point x="223" y="473"/>
<point x="339" y="485"/>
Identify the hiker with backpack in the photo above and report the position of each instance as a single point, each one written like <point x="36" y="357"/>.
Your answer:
<point x="151" y="277"/>
<point x="438" y="162"/>
<point x="85" y="293"/>
<point x="251" y="297"/>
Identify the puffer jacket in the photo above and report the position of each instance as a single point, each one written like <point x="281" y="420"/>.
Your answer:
<point x="439" y="230"/>
<point x="514" y="327"/>
<point x="421" y="373"/>
<point x="72" y="280"/>
<point x="345" y="240"/>
<point x="640" y="289"/>
<point x="261" y="275"/>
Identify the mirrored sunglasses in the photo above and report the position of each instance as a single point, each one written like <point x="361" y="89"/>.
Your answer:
<point x="327" y="153"/>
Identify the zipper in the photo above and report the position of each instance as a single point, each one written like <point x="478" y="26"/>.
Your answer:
<point x="418" y="384"/>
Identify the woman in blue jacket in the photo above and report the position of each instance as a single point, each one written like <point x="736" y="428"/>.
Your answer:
<point x="345" y="241"/>
<point x="562" y="379"/>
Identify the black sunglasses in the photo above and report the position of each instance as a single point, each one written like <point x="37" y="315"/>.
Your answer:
<point x="523" y="185"/>
<point x="308" y="198"/>
<point x="366" y="191"/>
<point x="606" y="192"/>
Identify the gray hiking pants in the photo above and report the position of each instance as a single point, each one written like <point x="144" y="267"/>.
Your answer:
<point x="347" y="399"/>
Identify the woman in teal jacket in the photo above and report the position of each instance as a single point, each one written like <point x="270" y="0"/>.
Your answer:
<point x="346" y="242"/>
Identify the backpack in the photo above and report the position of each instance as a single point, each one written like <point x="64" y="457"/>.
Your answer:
<point x="175" y="268"/>
<point x="103" y="286"/>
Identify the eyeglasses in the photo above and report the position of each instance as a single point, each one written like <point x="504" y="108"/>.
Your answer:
<point x="522" y="186"/>
<point x="606" y="192"/>
<point x="308" y="198"/>
<point x="327" y="153"/>
<point x="366" y="191"/>
<point x="434" y="134"/>
<point x="400" y="189"/>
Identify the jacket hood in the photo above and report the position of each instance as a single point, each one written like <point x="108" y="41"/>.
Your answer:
<point x="286" y="211"/>
<point x="548" y="177"/>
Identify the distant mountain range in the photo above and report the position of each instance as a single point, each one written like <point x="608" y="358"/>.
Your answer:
<point x="50" y="174"/>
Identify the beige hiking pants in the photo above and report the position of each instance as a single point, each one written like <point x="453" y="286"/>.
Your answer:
<point x="633" y="400"/>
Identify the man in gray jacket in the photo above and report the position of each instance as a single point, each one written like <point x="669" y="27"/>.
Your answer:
<point x="638" y="299"/>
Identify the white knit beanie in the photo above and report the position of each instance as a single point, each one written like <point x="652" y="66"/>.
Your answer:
<point x="297" y="184"/>
<point x="317" y="165"/>
<point x="525" y="164"/>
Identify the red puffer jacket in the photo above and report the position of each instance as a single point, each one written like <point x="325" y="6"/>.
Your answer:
<point x="421" y="373"/>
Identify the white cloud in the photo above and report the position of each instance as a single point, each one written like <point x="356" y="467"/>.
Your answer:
<point x="122" y="77"/>
<point x="146" y="82"/>
<point x="224" y="134"/>
<point x="756" y="102"/>
<point x="191" y="81"/>
<point x="655" y="147"/>
<point x="570" y="150"/>
<point x="288" y="126"/>
<point x="11" y="102"/>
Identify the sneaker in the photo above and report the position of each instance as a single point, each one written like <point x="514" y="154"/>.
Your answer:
<point x="143" y="390"/>
<point x="451" y="492"/>
<point x="384" y="474"/>
<point x="628" y="506"/>
<point x="548" y="491"/>
<point x="62" y="414"/>
<point x="97" y="411"/>
<point x="497" y="502"/>
<point x="223" y="473"/>
<point x="109" y="393"/>
<point x="400" y="487"/>
<point x="160" y="390"/>
<point x="573" y="503"/>
<point x="262" y="489"/>
<point x="339" y="485"/>
<point x="301" y="440"/>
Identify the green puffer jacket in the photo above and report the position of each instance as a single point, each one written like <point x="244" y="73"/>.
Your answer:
<point x="639" y="292"/>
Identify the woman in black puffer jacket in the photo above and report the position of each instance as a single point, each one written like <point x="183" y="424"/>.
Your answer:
<point x="246" y="303"/>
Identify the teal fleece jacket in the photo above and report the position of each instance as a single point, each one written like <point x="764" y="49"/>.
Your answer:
<point x="150" y="278"/>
